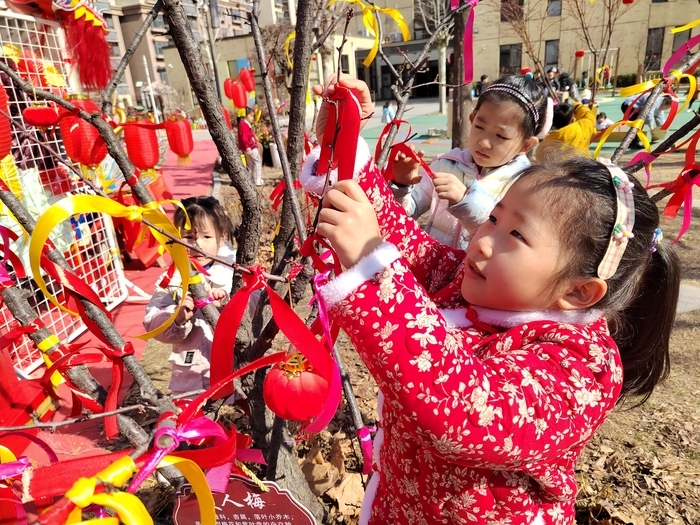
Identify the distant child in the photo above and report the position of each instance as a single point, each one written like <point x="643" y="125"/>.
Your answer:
<point x="509" y="115"/>
<point x="388" y="112"/>
<point x="249" y="145"/>
<point x="481" y="85"/>
<point x="573" y="125"/>
<point x="191" y="336"/>
<point x="602" y="122"/>
<point x="496" y="366"/>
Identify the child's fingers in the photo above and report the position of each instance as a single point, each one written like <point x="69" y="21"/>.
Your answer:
<point x="330" y="216"/>
<point x="345" y="196"/>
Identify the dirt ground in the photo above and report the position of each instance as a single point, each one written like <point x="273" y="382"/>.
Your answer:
<point x="642" y="468"/>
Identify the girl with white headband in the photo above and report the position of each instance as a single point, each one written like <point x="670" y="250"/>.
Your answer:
<point x="495" y="366"/>
<point x="509" y="116"/>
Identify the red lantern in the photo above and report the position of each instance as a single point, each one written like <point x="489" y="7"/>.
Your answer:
<point x="627" y="2"/>
<point x="227" y="117"/>
<point x="247" y="79"/>
<point x="228" y="87"/>
<point x="42" y="117"/>
<point x="5" y="126"/>
<point x="580" y="53"/>
<point x="81" y="139"/>
<point x="142" y="144"/>
<point x="179" y="133"/>
<point x="294" y="390"/>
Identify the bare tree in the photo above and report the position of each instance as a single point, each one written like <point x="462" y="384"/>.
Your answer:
<point x="596" y="23"/>
<point x="280" y="66"/>
<point x="529" y="22"/>
<point x="430" y="14"/>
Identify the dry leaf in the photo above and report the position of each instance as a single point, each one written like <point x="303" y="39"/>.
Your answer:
<point x="348" y="494"/>
<point x="319" y="473"/>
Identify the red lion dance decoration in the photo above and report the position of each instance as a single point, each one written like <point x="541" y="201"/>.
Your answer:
<point x="86" y="40"/>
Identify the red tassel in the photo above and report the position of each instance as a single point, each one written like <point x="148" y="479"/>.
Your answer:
<point x="88" y="48"/>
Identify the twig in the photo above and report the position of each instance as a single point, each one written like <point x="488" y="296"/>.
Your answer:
<point x="80" y="419"/>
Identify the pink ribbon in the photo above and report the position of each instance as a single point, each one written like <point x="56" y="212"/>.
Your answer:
<point x="14" y="468"/>
<point x="363" y="434"/>
<point x="194" y="430"/>
<point x="468" y="49"/>
<point x="331" y="406"/>
<point x="647" y="158"/>
<point x="680" y="53"/>
<point x="201" y="303"/>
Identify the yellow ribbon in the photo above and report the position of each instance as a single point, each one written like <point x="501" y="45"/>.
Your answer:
<point x="6" y="455"/>
<point x="686" y="26"/>
<point x="649" y="84"/>
<point x="291" y="37"/>
<point x="128" y="507"/>
<point x="370" y="22"/>
<point x="194" y="475"/>
<point x="79" y="204"/>
<point x="639" y="124"/>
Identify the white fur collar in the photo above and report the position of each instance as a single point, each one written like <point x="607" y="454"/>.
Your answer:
<point x="457" y="317"/>
<point x="313" y="182"/>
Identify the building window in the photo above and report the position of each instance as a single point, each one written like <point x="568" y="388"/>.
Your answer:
<point x="158" y="46"/>
<point x="551" y="53"/>
<point x="680" y="39"/>
<point x="109" y="20"/>
<point x="345" y="63"/>
<point x="554" y="8"/>
<point x="114" y="49"/>
<point x="158" y="22"/>
<point x="511" y="10"/>
<point x="510" y="59"/>
<point x="655" y="44"/>
<point x="658" y="1"/>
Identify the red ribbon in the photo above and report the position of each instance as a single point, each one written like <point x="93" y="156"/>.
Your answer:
<point x="400" y="147"/>
<point x="7" y="235"/>
<point x="340" y="141"/>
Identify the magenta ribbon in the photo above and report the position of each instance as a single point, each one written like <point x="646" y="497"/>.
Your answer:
<point x="5" y="279"/>
<point x="680" y="53"/>
<point x="201" y="303"/>
<point x="468" y="49"/>
<point x="196" y="429"/>
<point x="14" y="468"/>
<point x="324" y="417"/>
<point x="647" y="158"/>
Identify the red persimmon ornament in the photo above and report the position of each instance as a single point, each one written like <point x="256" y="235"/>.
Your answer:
<point x="42" y="117"/>
<point x="580" y="53"/>
<point x="247" y="79"/>
<point x="294" y="390"/>
<point x="142" y="144"/>
<point x="180" y="140"/>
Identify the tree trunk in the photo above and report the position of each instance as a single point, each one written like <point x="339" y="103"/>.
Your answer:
<point x="462" y="99"/>
<point x="442" y="72"/>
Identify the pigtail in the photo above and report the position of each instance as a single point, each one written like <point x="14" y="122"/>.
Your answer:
<point x="643" y="330"/>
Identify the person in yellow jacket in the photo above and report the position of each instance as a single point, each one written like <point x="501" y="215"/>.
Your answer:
<point x="573" y="125"/>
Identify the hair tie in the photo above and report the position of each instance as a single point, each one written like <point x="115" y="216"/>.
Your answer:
<point x="624" y="222"/>
<point x="656" y="240"/>
<point x="506" y="88"/>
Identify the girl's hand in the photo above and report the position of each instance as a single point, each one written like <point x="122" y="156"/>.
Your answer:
<point x="449" y="187"/>
<point x="406" y="170"/>
<point x="366" y="104"/>
<point x="348" y="221"/>
<point x="186" y="311"/>
<point x="217" y="296"/>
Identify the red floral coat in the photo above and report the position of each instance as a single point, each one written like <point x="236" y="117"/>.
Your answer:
<point x="475" y="427"/>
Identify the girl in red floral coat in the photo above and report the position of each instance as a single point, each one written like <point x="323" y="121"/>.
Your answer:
<point x="496" y="365"/>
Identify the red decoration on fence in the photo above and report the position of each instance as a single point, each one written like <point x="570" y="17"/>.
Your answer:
<point x="42" y="117"/>
<point x="142" y="145"/>
<point x="580" y="53"/>
<point x="293" y="390"/>
<point x="247" y="79"/>
<point x="56" y="179"/>
<point x="5" y="126"/>
<point x="180" y="138"/>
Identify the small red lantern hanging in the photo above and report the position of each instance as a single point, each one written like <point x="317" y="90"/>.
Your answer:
<point x="142" y="145"/>
<point x="227" y="117"/>
<point x="228" y="87"/>
<point x="294" y="391"/>
<point x="580" y="53"/>
<point x="247" y="79"/>
<point x="42" y="117"/>
<point x="81" y="139"/>
<point x="180" y="140"/>
<point x="240" y="95"/>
